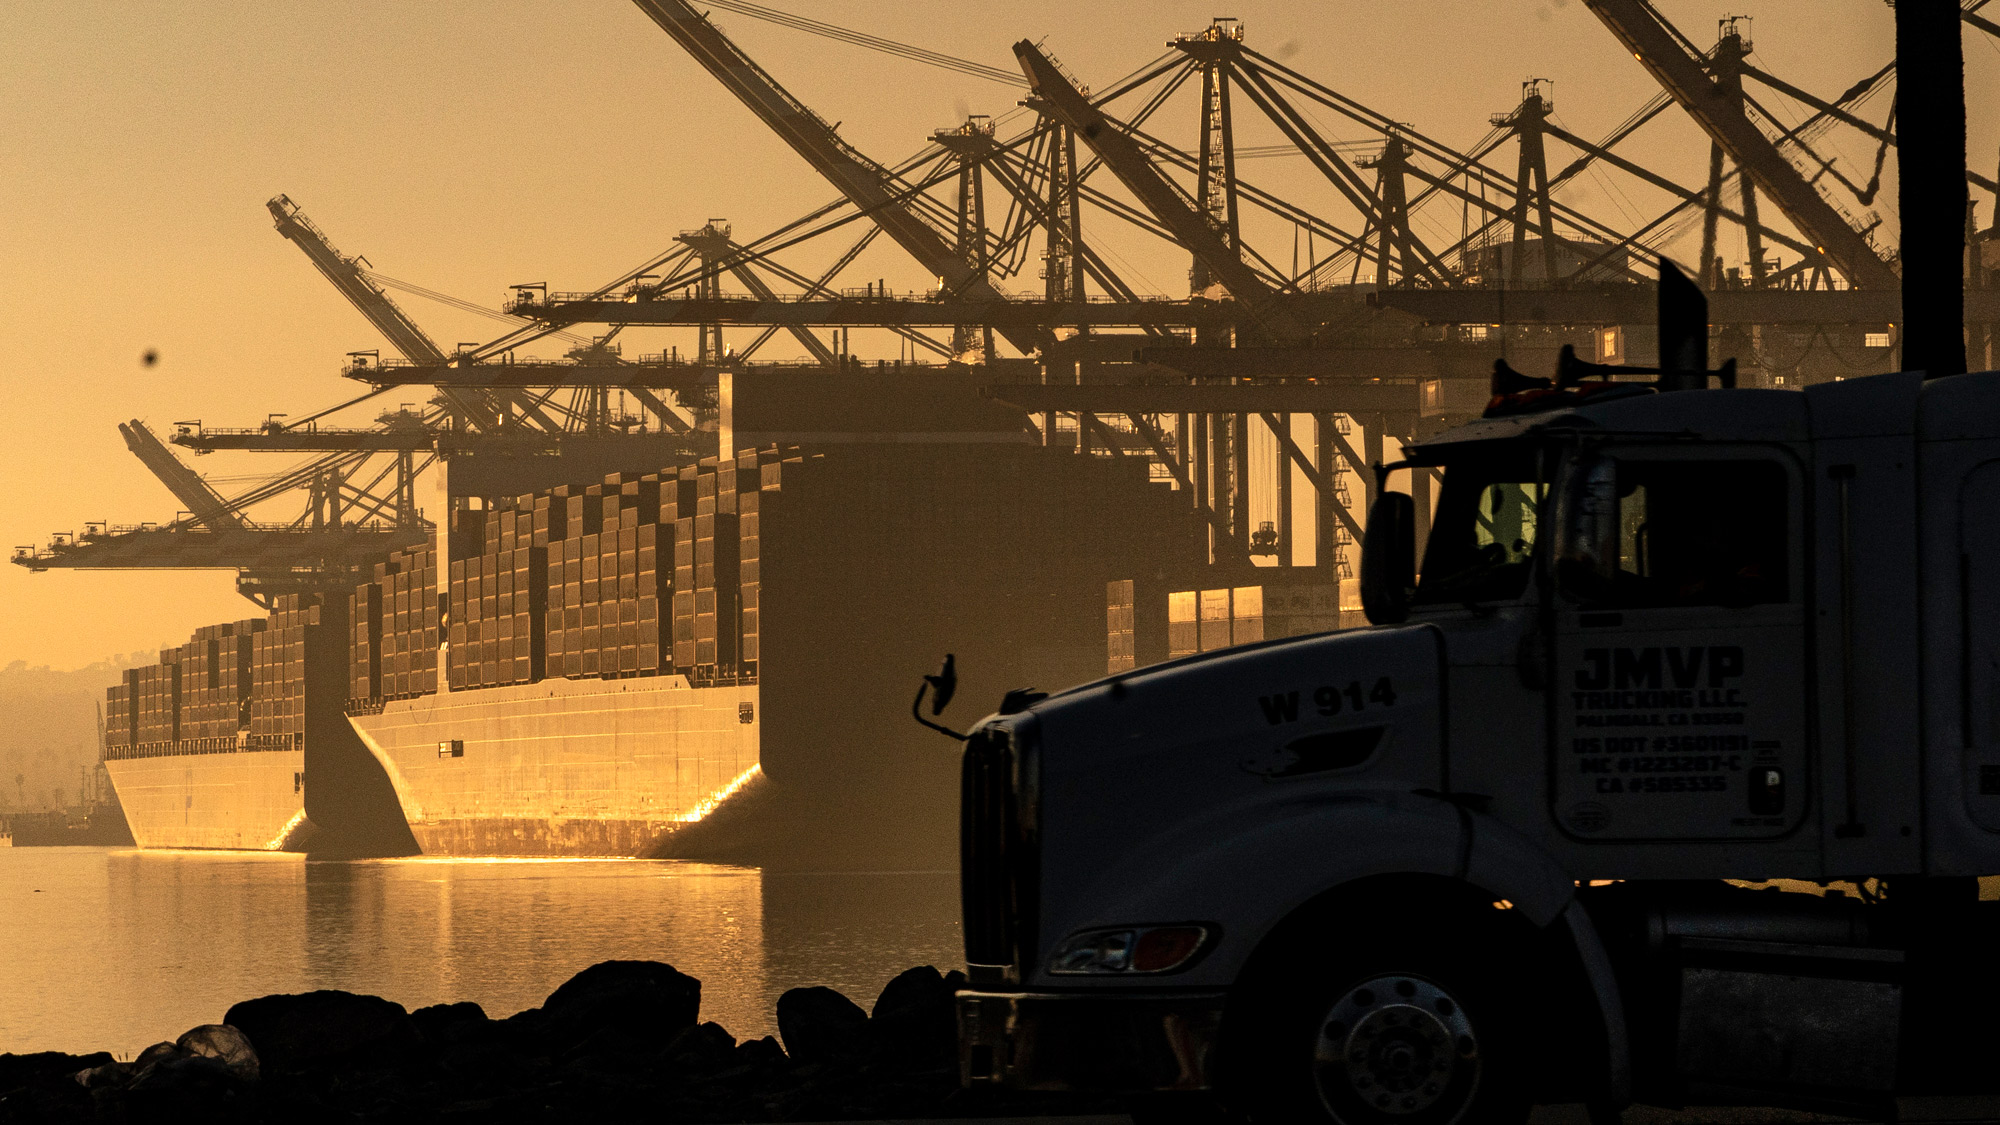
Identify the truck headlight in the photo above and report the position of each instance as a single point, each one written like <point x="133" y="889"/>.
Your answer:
<point x="1129" y="949"/>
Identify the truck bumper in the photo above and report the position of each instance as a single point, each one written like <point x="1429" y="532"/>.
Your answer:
<point x="1100" y="1043"/>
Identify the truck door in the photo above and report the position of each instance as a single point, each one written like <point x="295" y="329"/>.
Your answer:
<point x="1979" y="537"/>
<point x="1679" y="698"/>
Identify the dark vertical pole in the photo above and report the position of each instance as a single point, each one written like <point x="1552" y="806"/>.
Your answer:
<point x="1930" y="114"/>
<point x="1711" y="211"/>
<point x="1239" y="477"/>
<point x="1371" y="452"/>
<point x="1284" y="497"/>
<point x="1420" y="493"/>
<point x="1076" y="293"/>
<point x="1323" y="533"/>
<point x="1196" y="453"/>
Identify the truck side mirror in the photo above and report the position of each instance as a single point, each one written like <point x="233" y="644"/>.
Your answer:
<point x="941" y="686"/>
<point x="1389" y="558"/>
<point x="1586" y="555"/>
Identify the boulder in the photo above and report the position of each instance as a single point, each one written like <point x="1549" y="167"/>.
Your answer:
<point x="225" y="1045"/>
<point x="17" y="1071"/>
<point x="448" y="1023"/>
<point x="646" y="1001"/>
<point x="760" y="1054"/>
<point x="704" y="1049"/>
<point x="328" y="1028"/>
<point x="819" y="1025"/>
<point x="916" y="1020"/>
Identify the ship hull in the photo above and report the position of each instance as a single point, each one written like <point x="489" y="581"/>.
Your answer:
<point x="250" y="801"/>
<point x="564" y="767"/>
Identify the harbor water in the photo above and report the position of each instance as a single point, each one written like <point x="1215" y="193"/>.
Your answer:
<point x="115" y="949"/>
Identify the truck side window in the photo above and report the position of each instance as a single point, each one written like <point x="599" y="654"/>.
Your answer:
<point x="1701" y="533"/>
<point x="1482" y="541"/>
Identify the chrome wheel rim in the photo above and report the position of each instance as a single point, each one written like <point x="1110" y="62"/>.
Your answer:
<point x="1397" y="1046"/>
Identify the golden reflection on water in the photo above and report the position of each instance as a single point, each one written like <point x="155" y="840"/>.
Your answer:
<point x="119" y="949"/>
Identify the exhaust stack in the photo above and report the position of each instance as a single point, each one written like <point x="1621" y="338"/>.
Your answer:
<point x="1930" y="84"/>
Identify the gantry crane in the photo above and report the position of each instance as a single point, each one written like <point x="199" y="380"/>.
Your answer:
<point x="868" y="185"/>
<point x="205" y="504"/>
<point x="1683" y="76"/>
<point x="1191" y="227"/>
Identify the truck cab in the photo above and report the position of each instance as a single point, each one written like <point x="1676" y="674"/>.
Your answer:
<point x="1666" y="772"/>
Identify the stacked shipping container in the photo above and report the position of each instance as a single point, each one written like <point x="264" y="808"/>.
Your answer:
<point x="1206" y="620"/>
<point x="497" y="597"/>
<point x="215" y="681"/>
<point x="638" y="575"/>
<point x="119" y="720"/>
<point x="393" y="629"/>
<point x="278" y="673"/>
<point x="237" y="679"/>
<point x="603" y="587"/>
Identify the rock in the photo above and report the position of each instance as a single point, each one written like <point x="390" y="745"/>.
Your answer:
<point x="449" y="1023"/>
<point x="703" y="1049"/>
<point x="761" y="1054"/>
<point x="106" y="1074"/>
<point x="224" y="1044"/>
<point x="191" y="1074"/>
<point x="157" y="1053"/>
<point x="642" y="1000"/>
<point x="328" y="1028"/>
<point x="17" y="1071"/>
<point x="819" y="1025"/>
<point x="916" y="1019"/>
<point x="43" y="1086"/>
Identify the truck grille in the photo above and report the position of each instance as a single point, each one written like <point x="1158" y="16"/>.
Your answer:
<point x="997" y="852"/>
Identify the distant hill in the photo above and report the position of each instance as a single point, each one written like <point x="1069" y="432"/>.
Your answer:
<point x="48" y="743"/>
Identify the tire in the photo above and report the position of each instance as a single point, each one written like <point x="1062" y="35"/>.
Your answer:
<point x="1422" y="1020"/>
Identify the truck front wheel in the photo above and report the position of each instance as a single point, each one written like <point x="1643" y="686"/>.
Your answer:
<point x="1372" y="1024"/>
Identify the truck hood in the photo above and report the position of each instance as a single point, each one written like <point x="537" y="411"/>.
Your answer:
<point x="1175" y="758"/>
<point x="1358" y="708"/>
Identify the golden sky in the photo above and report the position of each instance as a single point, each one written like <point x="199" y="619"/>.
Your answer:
<point x="469" y="144"/>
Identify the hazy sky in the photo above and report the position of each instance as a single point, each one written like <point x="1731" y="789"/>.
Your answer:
<point x="466" y="145"/>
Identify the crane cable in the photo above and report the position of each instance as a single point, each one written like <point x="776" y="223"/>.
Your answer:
<point x="460" y="303"/>
<point x="873" y="43"/>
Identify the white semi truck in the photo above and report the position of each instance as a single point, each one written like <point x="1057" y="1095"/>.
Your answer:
<point x="1572" y="821"/>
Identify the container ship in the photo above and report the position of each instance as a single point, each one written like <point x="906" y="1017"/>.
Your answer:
<point x="206" y="749"/>
<point x="713" y="660"/>
<point x="212" y="746"/>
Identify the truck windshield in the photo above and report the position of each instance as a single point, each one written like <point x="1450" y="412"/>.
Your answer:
<point x="1482" y="537"/>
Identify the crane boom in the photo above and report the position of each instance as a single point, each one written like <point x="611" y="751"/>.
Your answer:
<point x="347" y="277"/>
<point x="207" y="506"/>
<point x="1646" y="35"/>
<point x="866" y="184"/>
<point x="762" y="292"/>
<point x="1137" y="172"/>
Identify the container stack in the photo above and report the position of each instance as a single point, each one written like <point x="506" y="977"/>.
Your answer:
<point x="118" y="720"/>
<point x="570" y="521"/>
<point x="1207" y="620"/>
<point x="278" y="674"/>
<point x="1183" y="623"/>
<point x="603" y="587"/>
<point x="749" y="513"/>
<point x="237" y="679"/>
<point x="716" y="571"/>
<point x="1135" y="621"/>
<point x="364" y="643"/>
<point x="215" y="680"/>
<point x="497" y="591"/>
<point x="682" y="512"/>
<point x="401" y="641"/>
<point x="157" y="687"/>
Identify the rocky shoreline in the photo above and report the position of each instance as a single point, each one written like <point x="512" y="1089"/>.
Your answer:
<point x="622" y="1040"/>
